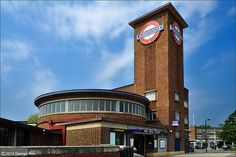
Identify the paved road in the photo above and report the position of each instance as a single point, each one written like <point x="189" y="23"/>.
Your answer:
<point x="207" y="155"/>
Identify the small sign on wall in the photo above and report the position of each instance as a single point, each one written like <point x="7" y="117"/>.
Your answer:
<point x="175" y="122"/>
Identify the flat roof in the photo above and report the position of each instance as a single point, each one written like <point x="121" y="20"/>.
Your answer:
<point x="168" y="6"/>
<point x="15" y="124"/>
<point x="92" y="93"/>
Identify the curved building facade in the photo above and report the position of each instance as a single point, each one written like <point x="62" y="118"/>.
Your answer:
<point x="98" y="116"/>
<point x="91" y="103"/>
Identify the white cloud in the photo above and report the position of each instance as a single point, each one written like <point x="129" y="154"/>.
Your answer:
<point x="13" y="50"/>
<point x="17" y="50"/>
<point x="112" y="64"/>
<point x="198" y="35"/>
<point x="43" y="81"/>
<point x="13" y="6"/>
<point x="15" y="53"/>
<point x="94" y="20"/>
<point x="190" y="9"/>
<point x="102" y="20"/>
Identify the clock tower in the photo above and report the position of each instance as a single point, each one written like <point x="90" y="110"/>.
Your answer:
<point x="159" y="72"/>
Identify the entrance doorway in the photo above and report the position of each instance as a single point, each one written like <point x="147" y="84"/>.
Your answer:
<point x="177" y="144"/>
<point x="139" y="143"/>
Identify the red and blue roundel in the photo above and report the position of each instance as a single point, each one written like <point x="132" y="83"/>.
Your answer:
<point x="177" y="35"/>
<point x="149" y="32"/>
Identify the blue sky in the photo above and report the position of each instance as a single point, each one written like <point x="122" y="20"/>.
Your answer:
<point x="49" y="46"/>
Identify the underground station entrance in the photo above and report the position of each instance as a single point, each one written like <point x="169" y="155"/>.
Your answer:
<point x="147" y="141"/>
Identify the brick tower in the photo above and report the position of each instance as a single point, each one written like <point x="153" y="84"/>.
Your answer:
<point x="158" y="70"/>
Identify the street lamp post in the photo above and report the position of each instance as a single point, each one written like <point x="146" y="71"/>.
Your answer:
<point x="206" y="132"/>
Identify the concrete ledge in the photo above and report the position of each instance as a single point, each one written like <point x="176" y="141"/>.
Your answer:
<point x="164" y="154"/>
<point x="48" y="150"/>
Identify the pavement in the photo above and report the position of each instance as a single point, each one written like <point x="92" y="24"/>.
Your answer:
<point x="209" y="153"/>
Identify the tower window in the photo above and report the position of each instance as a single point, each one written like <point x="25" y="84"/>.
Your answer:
<point x="185" y="104"/>
<point x="186" y="120"/>
<point x="177" y="115"/>
<point x="151" y="115"/>
<point x="177" y="96"/>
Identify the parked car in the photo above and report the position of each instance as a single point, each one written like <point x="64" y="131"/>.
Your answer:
<point x="226" y="147"/>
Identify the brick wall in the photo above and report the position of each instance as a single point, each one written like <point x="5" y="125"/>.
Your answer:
<point x="91" y="136"/>
<point x="192" y="133"/>
<point x="56" y="151"/>
<point x="126" y="118"/>
<point x="127" y="88"/>
<point x="45" y="139"/>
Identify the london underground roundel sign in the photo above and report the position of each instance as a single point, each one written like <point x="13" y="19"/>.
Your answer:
<point x="149" y="32"/>
<point x="176" y="33"/>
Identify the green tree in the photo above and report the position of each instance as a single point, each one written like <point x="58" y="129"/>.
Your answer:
<point x="229" y="129"/>
<point x="32" y="119"/>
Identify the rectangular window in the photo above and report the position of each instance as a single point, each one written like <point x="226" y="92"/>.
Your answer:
<point x="139" y="109"/>
<point x="113" y="105"/>
<point x="49" y="108"/>
<point x="40" y="111"/>
<point x="176" y="96"/>
<point x="54" y="106"/>
<point x="151" y="115"/>
<point x="77" y="105"/>
<point x="58" y="108"/>
<point x="144" y="111"/>
<point x="185" y="104"/>
<point x="121" y="106"/>
<point x="44" y="110"/>
<point x="186" y="120"/>
<point x="119" y="138"/>
<point x="101" y="105"/>
<point x="130" y="108"/>
<point x="133" y="108"/>
<point x="62" y="104"/>
<point x="70" y="106"/>
<point x="89" y="105"/>
<point x="95" y="105"/>
<point x="112" y="138"/>
<point x="83" y="104"/>
<point x="151" y="95"/>
<point x="126" y="107"/>
<point x="177" y="116"/>
<point x="136" y="109"/>
<point x="108" y="105"/>
<point x="117" y="106"/>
